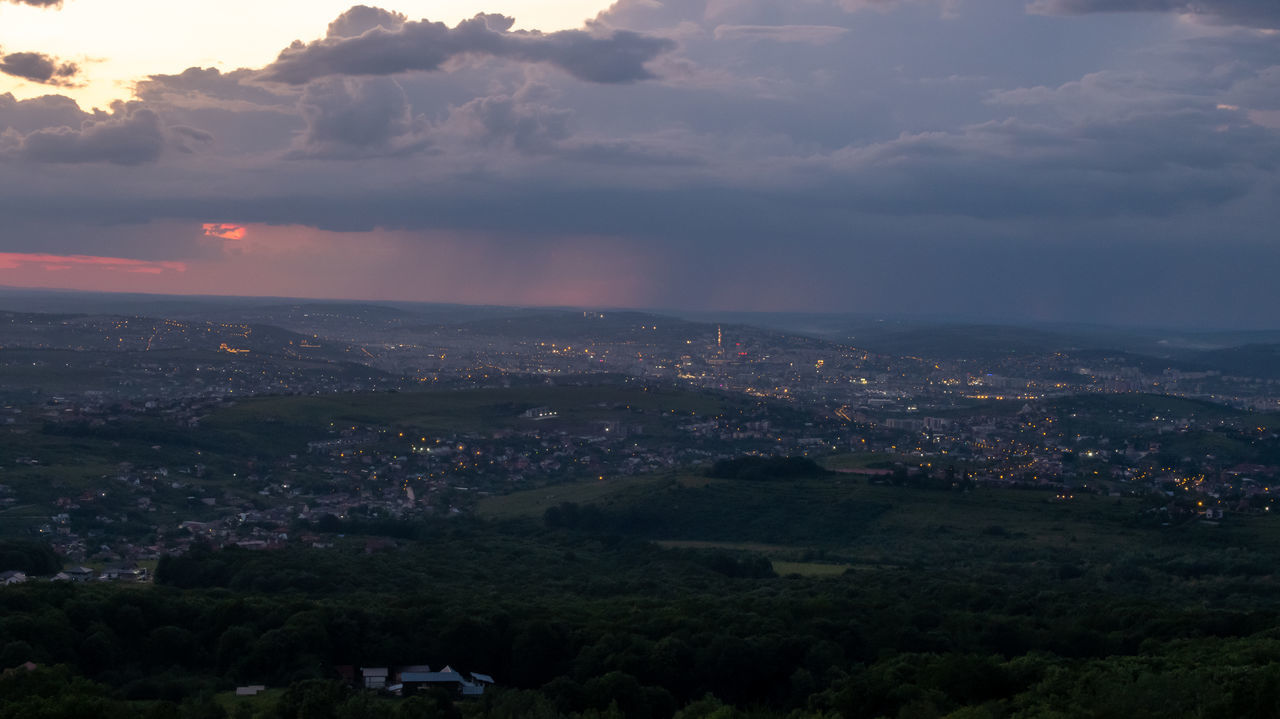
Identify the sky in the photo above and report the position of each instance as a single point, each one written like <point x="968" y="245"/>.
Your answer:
<point x="1104" y="161"/>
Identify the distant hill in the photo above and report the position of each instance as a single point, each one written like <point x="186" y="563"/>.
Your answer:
<point x="119" y="333"/>
<point x="1249" y="353"/>
<point x="608" y="326"/>
<point x="963" y="341"/>
<point x="638" y="328"/>
<point x="1252" y="353"/>
<point x="1255" y="360"/>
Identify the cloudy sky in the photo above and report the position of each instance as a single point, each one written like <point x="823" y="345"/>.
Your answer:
<point x="1082" y="160"/>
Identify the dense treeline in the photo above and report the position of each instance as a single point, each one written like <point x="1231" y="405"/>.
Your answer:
<point x="29" y="557"/>
<point x="762" y="469"/>
<point x="579" y="617"/>
<point x="150" y="431"/>
<point x="647" y="632"/>
<point x="788" y="513"/>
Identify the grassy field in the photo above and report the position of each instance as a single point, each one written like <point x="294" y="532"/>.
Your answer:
<point x="863" y="460"/>
<point x="808" y="569"/>
<point x="54" y="378"/>
<point x="291" y="421"/>
<point x="533" y="503"/>
<point x="262" y="702"/>
<point x="483" y="409"/>
<point x="838" y="522"/>
<point x="768" y="549"/>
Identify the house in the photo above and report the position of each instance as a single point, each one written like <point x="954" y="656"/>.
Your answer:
<point x="78" y="574"/>
<point x="12" y="577"/>
<point x="446" y="678"/>
<point x="410" y="679"/>
<point x="411" y="669"/>
<point x="540" y="413"/>
<point x="374" y="677"/>
<point x="123" y="574"/>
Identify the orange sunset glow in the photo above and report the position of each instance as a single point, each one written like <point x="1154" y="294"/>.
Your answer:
<point x="224" y="231"/>
<point x="297" y="261"/>
<point x="49" y="262"/>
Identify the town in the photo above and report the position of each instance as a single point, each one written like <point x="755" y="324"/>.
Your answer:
<point x="128" y="439"/>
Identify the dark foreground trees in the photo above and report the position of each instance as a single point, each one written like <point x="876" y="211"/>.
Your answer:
<point x="583" y="619"/>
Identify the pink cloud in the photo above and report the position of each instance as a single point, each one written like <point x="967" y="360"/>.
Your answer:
<point x="18" y="260"/>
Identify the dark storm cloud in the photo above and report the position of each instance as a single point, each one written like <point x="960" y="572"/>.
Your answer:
<point x="1007" y="171"/>
<point x="1145" y="169"/>
<point x="350" y="118"/>
<point x="826" y="153"/>
<point x="614" y="57"/>
<point x="507" y="121"/>
<point x="1258" y="91"/>
<point x="1255" y="13"/>
<point x="39" y="67"/>
<point x="362" y="18"/>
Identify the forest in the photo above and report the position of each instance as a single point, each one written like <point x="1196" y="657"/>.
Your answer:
<point x="687" y="597"/>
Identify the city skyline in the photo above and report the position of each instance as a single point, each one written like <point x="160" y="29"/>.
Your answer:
<point x="1056" y="160"/>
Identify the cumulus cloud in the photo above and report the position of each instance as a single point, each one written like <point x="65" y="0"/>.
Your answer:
<point x="39" y="67"/>
<point x="187" y="139"/>
<point x="130" y="136"/>
<point x="815" y="34"/>
<point x="363" y="18"/>
<point x="212" y="88"/>
<point x="604" y="57"/>
<point x="660" y="15"/>
<point x="54" y="129"/>
<point x="1255" y="13"/>
<point x="350" y="118"/>
<point x="23" y="116"/>
<point x="507" y="121"/>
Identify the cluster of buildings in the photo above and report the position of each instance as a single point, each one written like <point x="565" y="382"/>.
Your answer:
<point x="413" y="679"/>
<point x="1084" y="448"/>
<point x="130" y="573"/>
<point x="999" y="421"/>
<point x="181" y="494"/>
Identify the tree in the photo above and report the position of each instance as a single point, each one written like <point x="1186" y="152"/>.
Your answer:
<point x="33" y="558"/>
<point x="312" y="699"/>
<point x="434" y="704"/>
